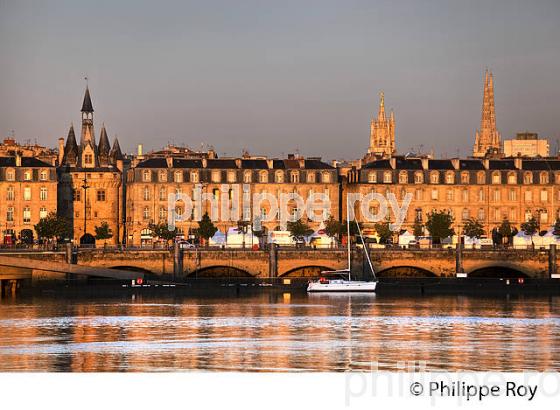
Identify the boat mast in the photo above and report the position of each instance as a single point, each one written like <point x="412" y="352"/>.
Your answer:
<point x="366" y="250"/>
<point x="348" y="234"/>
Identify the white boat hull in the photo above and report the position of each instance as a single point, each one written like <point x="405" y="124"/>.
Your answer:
<point x="342" y="286"/>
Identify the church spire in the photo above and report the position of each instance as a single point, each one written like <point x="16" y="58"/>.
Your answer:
<point x="87" y="106"/>
<point x="104" y="147"/>
<point x="87" y="121"/>
<point x="70" y="149"/>
<point x="487" y="139"/>
<point x="382" y="132"/>
<point x="381" y="113"/>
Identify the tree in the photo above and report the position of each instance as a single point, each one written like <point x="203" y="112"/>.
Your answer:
<point x="473" y="228"/>
<point x="418" y="228"/>
<point x="439" y="225"/>
<point x="103" y="232"/>
<point x="206" y="228"/>
<point x="53" y="226"/>
<point x="383" y="231"/>
<point x="333" y="228"/>
<point x="299" y="230"/>
<point x="530" y="228"/>
<point x="162" y="231"/>
<point x="506" y="230"/>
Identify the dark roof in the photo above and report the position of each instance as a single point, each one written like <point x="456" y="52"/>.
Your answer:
<point x="254" y="164"/>
<point x="379" y="164"/>
<point x="291" y="163"/>
<point x="187" y="163"/>
<point x="221" y="163"/>
<point x="116" y="153"/>
<point x="502" y="164"/>
<point x="71" y="147"/>
<point x="87" y="106"/>
<point x="29" y="162"/>
<point x="554" y="164"/>
<point x="153" y="163"/>
<point x="471" y="164"/>
<point x="535" y="165"/>
<point x="440" y="164"/>
<point x="316" y="164"/>
<point x="405" y="163"/>
<point x="104" y="146"/>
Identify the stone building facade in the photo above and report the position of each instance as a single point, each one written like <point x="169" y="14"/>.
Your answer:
<point x="489" y="190"/>
<point x="382" y="133"/>
<point x="151" y="181"/>
<point x="90" y="188"/>
<point x="28" y="192"/>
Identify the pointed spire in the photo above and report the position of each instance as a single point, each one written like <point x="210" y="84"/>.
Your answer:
<point x="487" y="139"/>
<point x="116" y="153"/>
<point x="87" y="106"/>
<point x="104" y="146"/>
<point x="71" y="148"/>
<point x="381" y="114"/>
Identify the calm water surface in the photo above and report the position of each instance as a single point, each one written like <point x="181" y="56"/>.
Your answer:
<point x="275" y="332"/>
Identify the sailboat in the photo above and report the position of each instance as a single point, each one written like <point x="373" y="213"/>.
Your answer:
<point x="346" y="284"/>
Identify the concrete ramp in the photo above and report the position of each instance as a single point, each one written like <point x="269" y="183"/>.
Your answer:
<point x="22" y="267"/>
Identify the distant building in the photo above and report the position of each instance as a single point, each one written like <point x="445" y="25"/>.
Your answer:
<point x="526" y="144"/>
<point x="10" y="147"/>
<point x="382" y="133"/>
<point x="487" y="139"/>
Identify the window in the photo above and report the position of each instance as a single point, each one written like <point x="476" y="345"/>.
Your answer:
<point x="419" y="194"/>
<point x="465" y="195"/>
<point x="27" y="193"/>
<point x="512" y="178"/>
<point x="10" y="175"/>
<point x="434" y="178"/>
<point x="43" y="194"/>
<point x="100" y="195"/>
<point x="26" y="215"/>
<point x="162" y="193"/>
<point x="279" y="176"/>
<point x="403" y="177"/>
<point x="481" y="195"/>
<point x="326" y="176"/>
<point x="146" y="213"/>
<point x="146" y="193"/>
<point x="216" y="176"/>
<point x="466" y="214"/>
<point x="496" y="195"/>
<point x="528" y="178"/>
<point x="557" y="177"/>
<point x="372" y="177"/>
<point x="162" y="176"/>
<point x="162" y="213"/>
<point x="480" y="177"/>
<point x="481" y="214"/>
<point x="544" y="195"/>
<point x="418" y="178"/>
<point x="496" y="178"/>
<point x="178" y="177"/>
<point x="512" y="195"/>
<point x="310" y="177"/>
<point x="294" y="177"/>
<point x="247" y="177"/>
<point x="27" y="175"/>
<point x="263" y="177"/>
<point x="88" y="159"/>
<point x="76" y="195"/>
<point x="146" y="176"/>
<point x="387" y="177"/>
<point x="43" y="213"/>
<point x="528" y="196"/>
<point x="418" y="212"/>
<point x="43" y="175"/>
<point x="231" y="176"/>
<point x="544" y="178"/>
<point x="434" y="194"/>
<point x="10" y="214"/>
<point x="449" y="178"/>
<point x="465" y="178"/>
<point x="10" y="193"/>
<point x="449" y="195"/>
<point x="194" y="177"/>
<point x="179" y="210"/>
<point x="496" y="214"/>
<point x="544" y="216"/>
<point x="512" y="214"/>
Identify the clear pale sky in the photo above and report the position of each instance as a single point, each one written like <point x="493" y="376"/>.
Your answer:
<point x="273" y="77"/>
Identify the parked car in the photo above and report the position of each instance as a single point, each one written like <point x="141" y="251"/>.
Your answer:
<point x="186" y="245"/>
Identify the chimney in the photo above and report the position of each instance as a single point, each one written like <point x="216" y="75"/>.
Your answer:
<point x="425" y="163"/>
<point x="60" y="150"/>
<point x="204" y="162"/>
<point x="140" y="149"/>
<point x="169" y="162"/>
<point x="18" y="159"/>
<point x="455" y="162"/>
<point x="517" y="162"/>
<point x="238" y="162"/>
<point x="270" y="163"/>
<point x="301" y="162"/>
<point x="393" y="162"/>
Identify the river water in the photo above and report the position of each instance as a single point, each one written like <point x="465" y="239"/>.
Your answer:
<point x="279" y="332"/>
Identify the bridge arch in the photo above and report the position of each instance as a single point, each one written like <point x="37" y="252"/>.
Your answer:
<point x="133" y="269"/>
<point x="405" y="271"/>
<point x="219" y="271"/>
<point x="499" y="271"/>
<point x="305" y="271"/>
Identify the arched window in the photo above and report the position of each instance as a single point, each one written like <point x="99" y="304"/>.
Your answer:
<point x="434" y="177"/>
<point x="387" y="177"/>
<point x="512" y="178"/>
<point x="231" y="176"/>
<point x="544" y="178"/>
<point x="310" y="177"/>
<point x="162" y="176"/>
<point x="146" y="175"/>
<point x="449" y="177"/>
<point x="263" y="177"/>
<point x="194" y="177"/>
<point x="294" y="177"/>
<point x="10" y="175"/>
<point x="10" y="196"/>
<point x="418" y="177"/>
<point x="528" y="178"/>
<point x="403" y="177"/>
<point x="326" y="176"/>
<point x="496" y="177"/>
<point x="27" y="175"/>
<point x="43" y="175"/>
<point x="279" y="177"/>
<point x="372" y="177"/>
<point x="216" y="176"/>
<point x="465" y="177"/>
<point x="146" y="193"/>
<point x="178" y="177"/>
<point x="466" y="214"/>
<point x="480" y="177"/>
<point x="43" y="193"/>
<point x="162" y="193"/>
<point x="247" y="177"/>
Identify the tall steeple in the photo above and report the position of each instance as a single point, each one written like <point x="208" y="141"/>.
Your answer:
<point x="104" y="148"/>
<point x="87" y="120"/>
<point x="382" y="132"/>
<point x="487" y="139"/>
<point x="70" y="149"/>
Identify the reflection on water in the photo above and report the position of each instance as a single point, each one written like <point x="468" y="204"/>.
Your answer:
<point x="269" y="332"/>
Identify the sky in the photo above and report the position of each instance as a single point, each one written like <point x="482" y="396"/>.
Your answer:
<point x="279" y="77"/>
